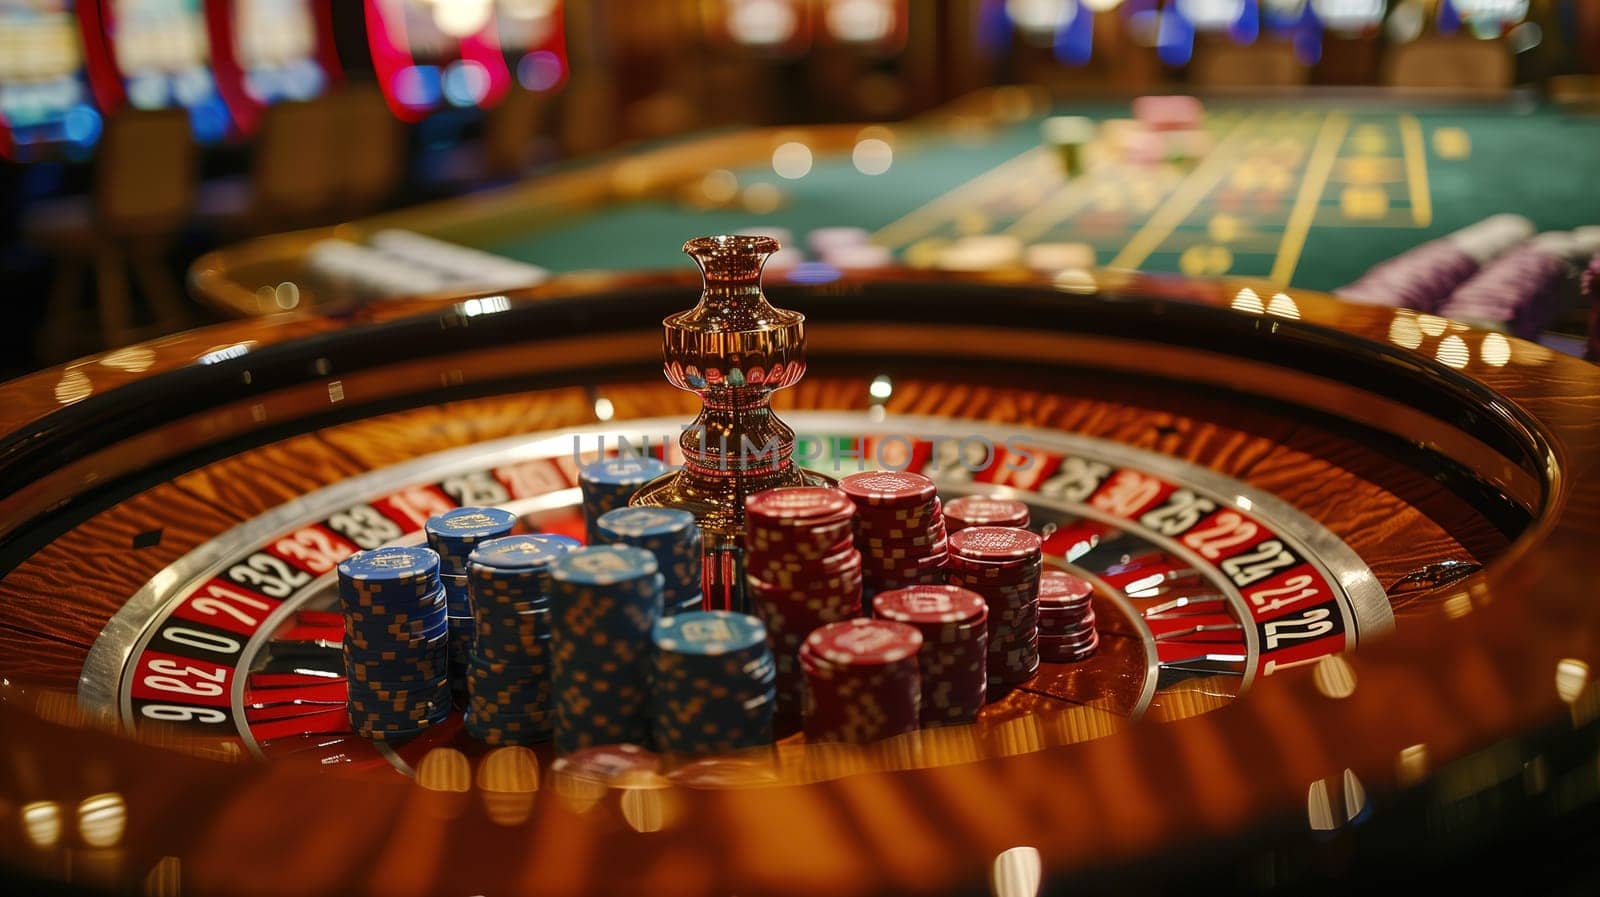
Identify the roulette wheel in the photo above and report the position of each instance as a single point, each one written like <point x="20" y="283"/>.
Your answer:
<point x="1339" y="559"/>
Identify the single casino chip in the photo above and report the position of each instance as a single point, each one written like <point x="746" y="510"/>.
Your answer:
<point x="603" y="565"/>
<point x="608" y="765"/>
<point x="624" y="524"/>
<point x="532" y="552"/>
<point x="980" y="510"/>
<point x="709" y="633"/>
<point x="797" y="506"/>
<point x="887" y="488"/>
<point x="634" y="471"/>
<point x="927" y="605"/>
<point x="864" y="642"/>
<point x="995" y="544"/>
<point x="1060" y="588"/>
<point x="396" y="564"/>
<point x="454" y="533"/>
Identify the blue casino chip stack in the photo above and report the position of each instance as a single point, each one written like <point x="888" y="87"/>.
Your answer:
<point x="673" y="537"/>
<point x="396" y="641"/>
<point x="508" y="673"/>
<point x="604" y="604"/>
<point x="611" y="483"/>
<point x="453" y="535"/>
<point x="714" y="684"/>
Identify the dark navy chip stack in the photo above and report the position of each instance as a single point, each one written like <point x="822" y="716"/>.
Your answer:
<point x="713" y="685"/>
<point x="396" y="641"/>
<point x="604" y="603"/>
<point x="673" y="537"/>
<point x="453" y="535"/>
<point x="609" y="484"/>
<point x="508" y="676"/>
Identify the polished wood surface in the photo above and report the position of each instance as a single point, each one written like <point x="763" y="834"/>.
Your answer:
<point x="1493" y="670"/>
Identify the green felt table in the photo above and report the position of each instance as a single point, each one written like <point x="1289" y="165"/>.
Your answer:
<point x="1308" y="193"/>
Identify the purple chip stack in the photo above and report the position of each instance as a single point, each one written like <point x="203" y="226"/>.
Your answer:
<point x="1421" y="278"/>
<point x="1519" y="290"/>
<point x="1416" y="279"/>
<point x="1591" y="291"/>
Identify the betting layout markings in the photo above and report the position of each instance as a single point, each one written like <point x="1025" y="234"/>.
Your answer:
<point x="947" y="207"/>
<point x="1111" y="181"/>
<point x="1183" y="201"/>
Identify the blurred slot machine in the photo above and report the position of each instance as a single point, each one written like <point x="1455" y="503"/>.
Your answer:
<point x="1241" y="43"/>
<point x="754" y="65"/>
<point x="269" y="51"/>
<point x="1467" y="44"/>
<point x="1351" y="43"/>
<point x="46" y="109"/>
<point x="522" y="130"/>
<point x="773" y="29"/>
<point x="532" y="34"/>
<point x="861" y="58"/>
<point x="1073" y="44"/>
<point x="440" y="55"/>
<point x="155" y="54"/>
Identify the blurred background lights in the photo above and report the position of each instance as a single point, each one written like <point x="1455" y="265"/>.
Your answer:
<point x="102" y="820"/>
<point x="1016" y="872"/>
<point x="462" y="18"/>
<point x="872" y="156"/>
<point x="792" y="160"/>
<point x="41" y="823"/>
<point x="762" y="22"/>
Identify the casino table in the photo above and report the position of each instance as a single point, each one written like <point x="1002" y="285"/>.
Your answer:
<point x="1308" y="191"/>
<point x="1341" y="557"/>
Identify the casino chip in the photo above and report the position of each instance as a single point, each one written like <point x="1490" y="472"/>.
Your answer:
<point x="713" y="686"/>
<point x="611" y="483"/>
<point x="982" y="510"/>
<point x="899" y="528"/>
<point x="674" y="538"/>
<point x="396" y="641"/>
<point x="1003" y="565"/>
<point x="604" y="604"/>
<point x="954" y="658"/>
<point x="1422" y="277"/>
<point x="1066" y="618"/>
<point x="802" y="570"/>
<point x="508" y="672"/>
<point x="583" y="776"/>
<point x="1590" y="285"/>
<point x="1519" y="291"/>
<point x="453" y="535"/>
<point x="863" y="681"/>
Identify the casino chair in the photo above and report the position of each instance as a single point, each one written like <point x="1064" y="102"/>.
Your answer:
<point x="1264" y="65"/>
<point x="512" y="131"/>
<point x="294" y="172"/>
<point x="314" y="161"/>
<point x="370" y="150"/>
<point x="145" y="180"/>
<point x="1458" y="64"/>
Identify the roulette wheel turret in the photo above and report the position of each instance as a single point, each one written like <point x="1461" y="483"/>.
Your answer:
<point x="732" y="349"/>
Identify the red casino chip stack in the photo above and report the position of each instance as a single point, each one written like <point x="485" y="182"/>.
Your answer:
<point x="899" y="528"/>
<point x="981" y="510"/>
<point x="1066" y="618"/>
<point x="863" y="681"/>
<point x="1003" y="565"/>
<point x="802" y="571"/>
<point x="954" y="623"/>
